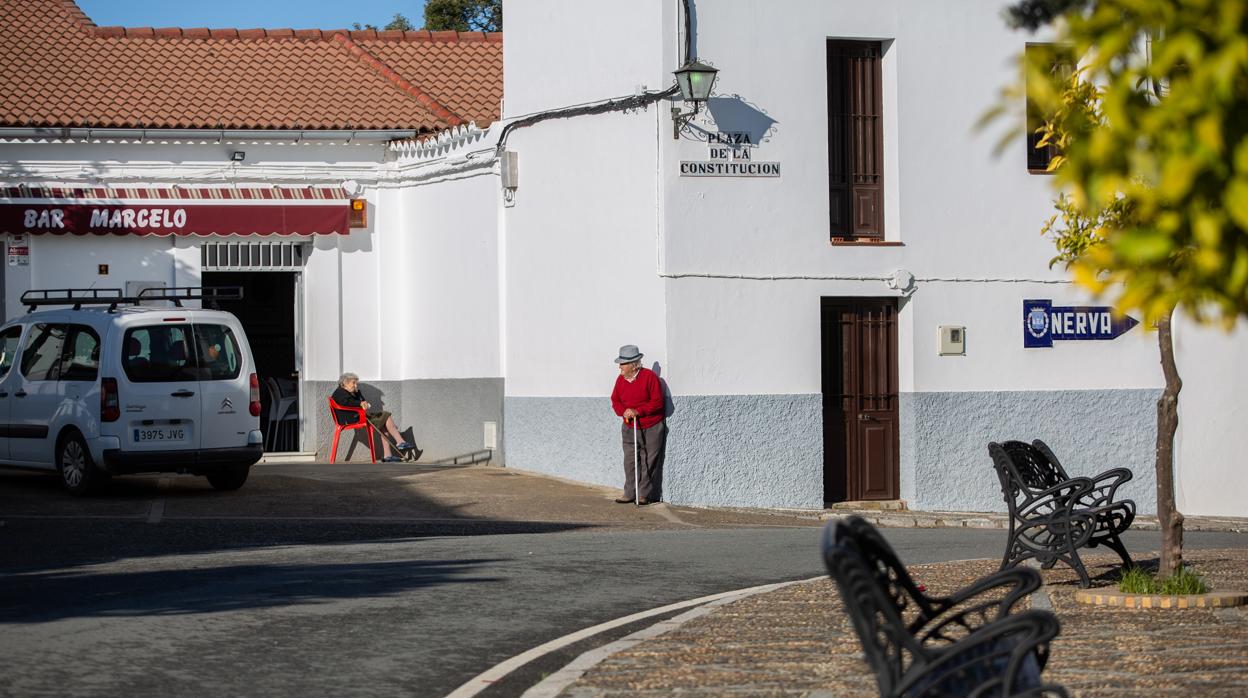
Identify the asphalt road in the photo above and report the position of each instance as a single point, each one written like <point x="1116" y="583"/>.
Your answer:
<point x="103" y="598"/>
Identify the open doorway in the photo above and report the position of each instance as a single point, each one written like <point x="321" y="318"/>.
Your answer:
<point x="267" y="312"/>
<point x="860" y="400"/>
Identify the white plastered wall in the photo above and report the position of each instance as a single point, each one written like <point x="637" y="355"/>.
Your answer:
<point x="944" y="194"/>
<point x="443" y="305"/>
<point x="580" y="243"/>
<point x="1210" y="464"/>
<point x="69" y="261"/>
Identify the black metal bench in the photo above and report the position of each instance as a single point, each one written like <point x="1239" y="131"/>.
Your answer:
<point x="1053" y="515"/>
<point x="967" y="644"/>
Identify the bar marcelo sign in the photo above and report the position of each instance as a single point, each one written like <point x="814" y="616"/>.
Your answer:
<point x="173" y="219"/>
<point x="731" y="155"/>
<point x="1044" y="322"/>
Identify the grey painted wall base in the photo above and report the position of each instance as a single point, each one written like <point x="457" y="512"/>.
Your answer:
<point x="944" y="441"/>
<point x="445" y="416"/>
<point x="767" y="450"/>
<point x="722" y="450"/>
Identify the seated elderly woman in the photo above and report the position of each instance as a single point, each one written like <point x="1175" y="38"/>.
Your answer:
<point x="348" y="395"/>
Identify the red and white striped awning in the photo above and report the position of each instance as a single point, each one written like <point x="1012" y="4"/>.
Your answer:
<point x="179" y="210"/>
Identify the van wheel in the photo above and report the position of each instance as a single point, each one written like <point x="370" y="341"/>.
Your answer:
<point x="229" y="478"/>
<point x="78" y="472"/>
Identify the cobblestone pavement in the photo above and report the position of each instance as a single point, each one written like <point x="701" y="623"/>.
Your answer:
<point x="798" y="642"/>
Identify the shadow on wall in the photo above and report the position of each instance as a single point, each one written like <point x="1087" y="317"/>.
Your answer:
<point x="733" y="114"/>
<point x="355" y="240"/>
<point x="350" y="440"/>
<point x="669" y="408"/>
<point x="669" y="405"/>
<point x="439" y="417"/>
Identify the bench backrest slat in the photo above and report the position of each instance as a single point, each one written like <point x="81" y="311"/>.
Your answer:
<point x="888" y="646"/>
<point x="1034" y="468"/>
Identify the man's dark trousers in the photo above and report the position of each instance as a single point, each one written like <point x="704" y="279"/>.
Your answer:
<point x="650" y="447"/>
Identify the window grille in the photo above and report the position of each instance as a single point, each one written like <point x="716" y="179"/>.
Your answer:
<point x="252" y="256"/>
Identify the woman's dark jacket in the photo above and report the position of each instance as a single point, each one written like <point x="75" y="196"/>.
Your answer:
<point x="347" y="399"/>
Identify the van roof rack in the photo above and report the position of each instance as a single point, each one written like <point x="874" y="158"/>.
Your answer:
<point x="76" y="297"/>
<point x="177" y="294"/>
<point x="112" y="297"/>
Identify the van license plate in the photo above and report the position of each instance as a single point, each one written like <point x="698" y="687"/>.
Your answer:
<point x="158" y="434"/>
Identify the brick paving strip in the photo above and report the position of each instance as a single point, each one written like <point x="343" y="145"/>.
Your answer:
<point x="798" y="642"/>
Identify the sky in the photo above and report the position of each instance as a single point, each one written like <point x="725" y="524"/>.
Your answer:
<point x="248" y="14"/>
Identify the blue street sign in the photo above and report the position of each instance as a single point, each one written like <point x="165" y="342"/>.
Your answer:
<point x="1044" y="322"/>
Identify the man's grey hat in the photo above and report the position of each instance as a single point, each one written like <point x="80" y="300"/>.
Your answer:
<point x="628" y="354"/>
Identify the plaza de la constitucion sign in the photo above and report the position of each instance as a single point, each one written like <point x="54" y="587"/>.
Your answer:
<point x="730" y="155"/>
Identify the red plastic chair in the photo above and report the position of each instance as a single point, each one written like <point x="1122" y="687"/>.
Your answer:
<point x="339" y="428"/>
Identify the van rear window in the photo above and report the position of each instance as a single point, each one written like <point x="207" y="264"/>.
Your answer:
<point x="219" y="357"/>
<point x="178" y="353"/>
<point x="159" y="354"/>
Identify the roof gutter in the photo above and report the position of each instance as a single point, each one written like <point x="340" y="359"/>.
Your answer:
<point x="214" y="135"/>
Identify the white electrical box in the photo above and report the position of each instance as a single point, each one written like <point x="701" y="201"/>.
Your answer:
<point x="491" y="436"/>
<point x="509" y="169"/>
<point x="952" y="340"/>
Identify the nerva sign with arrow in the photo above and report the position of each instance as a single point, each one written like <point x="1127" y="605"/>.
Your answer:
<point x="1044" y="322"/>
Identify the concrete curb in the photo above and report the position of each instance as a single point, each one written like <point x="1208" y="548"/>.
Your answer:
<point x="552" y="685"/>
<point x="490" y="676"/>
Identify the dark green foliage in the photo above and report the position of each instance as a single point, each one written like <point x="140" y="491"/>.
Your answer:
<point x="1033" y="14"/>
<point x="400" y="23"/>
<point x="464" y="15"/>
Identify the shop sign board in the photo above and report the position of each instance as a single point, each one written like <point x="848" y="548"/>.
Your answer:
<point x="1043" y="323"/>
<point x="19" y="250"/>
<point x="172" y="219"/>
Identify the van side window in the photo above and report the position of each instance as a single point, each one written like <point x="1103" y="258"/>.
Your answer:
<point x="81" y="361"/>
<point x="158" y="354"/>
<point x="8" y="348"/>
<point x="219" y="356"/>
<point x="41" y="358"/>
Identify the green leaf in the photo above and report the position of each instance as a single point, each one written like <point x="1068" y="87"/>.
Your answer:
<point x="1144" y="245"/>
<point x="1177" y="173"/>
<point x="1236" y="201"/>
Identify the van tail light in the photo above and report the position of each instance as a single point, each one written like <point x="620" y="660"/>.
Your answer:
<point x="110" y="400"/>
<point x="254" y="396"/>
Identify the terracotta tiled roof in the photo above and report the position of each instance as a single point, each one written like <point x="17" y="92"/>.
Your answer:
<point x="58" y="69"/>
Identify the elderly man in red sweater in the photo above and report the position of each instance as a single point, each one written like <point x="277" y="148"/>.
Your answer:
<point x="638" y="399"/>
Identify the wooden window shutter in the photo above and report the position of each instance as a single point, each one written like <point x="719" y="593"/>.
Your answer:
<point x="855" y="140"/>
<point x="1061" y="61"/>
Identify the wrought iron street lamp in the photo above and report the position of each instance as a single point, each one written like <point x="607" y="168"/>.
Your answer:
<point x="695" y="80"/>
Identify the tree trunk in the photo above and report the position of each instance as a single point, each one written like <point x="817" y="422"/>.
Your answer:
<point x="1167" y="424"/>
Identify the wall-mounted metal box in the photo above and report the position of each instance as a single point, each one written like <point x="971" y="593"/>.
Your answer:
<point x="952" y="340"/>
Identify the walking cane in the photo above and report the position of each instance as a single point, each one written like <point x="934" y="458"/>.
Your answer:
<point x="636" y="482"/>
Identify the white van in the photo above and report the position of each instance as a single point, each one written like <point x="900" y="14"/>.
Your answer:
<point x="106" y="386"/>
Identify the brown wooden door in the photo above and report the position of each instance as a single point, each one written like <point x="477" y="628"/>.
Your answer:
<point x="860" y="399"/>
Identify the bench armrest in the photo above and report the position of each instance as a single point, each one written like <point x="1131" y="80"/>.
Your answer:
<point x="996" y="655"/>
<point x="1061" y="497"/>
<point x="1104" y="487"/>
<point x="963" y="611"/>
